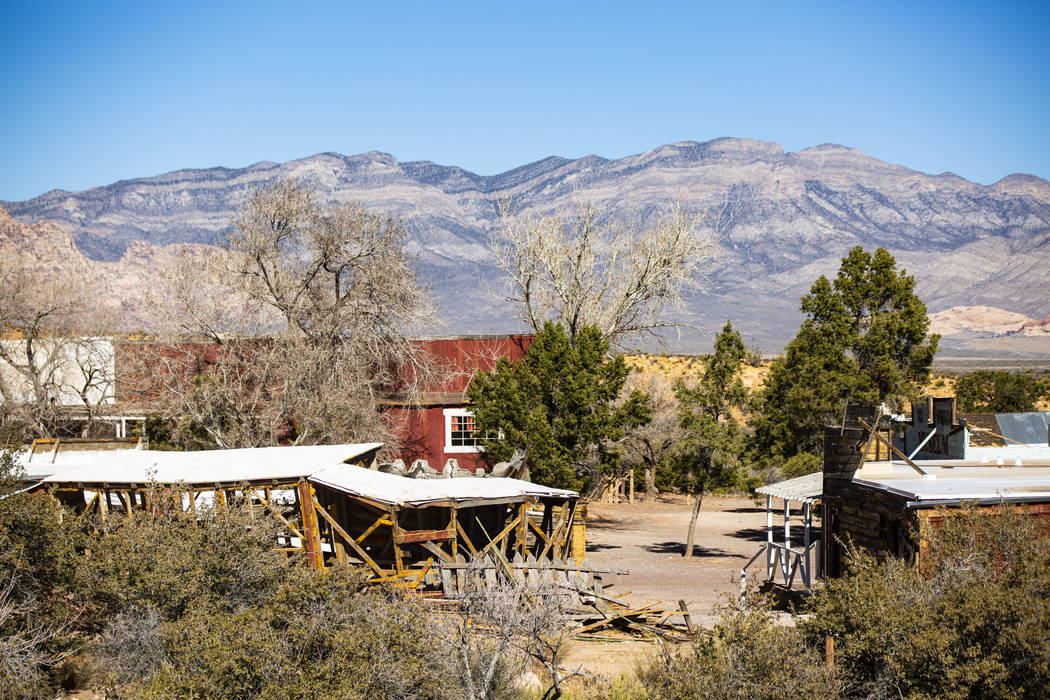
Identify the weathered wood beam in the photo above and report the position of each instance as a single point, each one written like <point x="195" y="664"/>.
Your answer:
<point x="312" y="540"/>
<point x="270" y="507"/>
<point x="349" y="540"/>
<point x="410" y="536"/>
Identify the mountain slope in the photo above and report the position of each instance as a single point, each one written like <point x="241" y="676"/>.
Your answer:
<point x="780" y="218"/>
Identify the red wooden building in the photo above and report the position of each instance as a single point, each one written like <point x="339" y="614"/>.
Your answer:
<point x="432" y="423"/>
<point x="438" y="425"/>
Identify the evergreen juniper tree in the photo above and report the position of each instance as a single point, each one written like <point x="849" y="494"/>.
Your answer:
<point x="864" y="337"/>
<point x="710" y="455"/>
<point x="559" y="404"/>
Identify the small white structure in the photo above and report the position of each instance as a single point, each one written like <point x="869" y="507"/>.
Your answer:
<point x="784" y="562"/>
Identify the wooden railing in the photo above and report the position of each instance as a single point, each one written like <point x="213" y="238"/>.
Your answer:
<point x="783" y="563"/>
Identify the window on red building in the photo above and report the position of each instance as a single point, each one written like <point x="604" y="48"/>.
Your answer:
<point x="459" y="431"/>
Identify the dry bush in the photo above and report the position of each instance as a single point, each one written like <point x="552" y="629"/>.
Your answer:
<point x="50" y="356"/>
<point x="747" y="655"/>
<point x="502" y="624"/>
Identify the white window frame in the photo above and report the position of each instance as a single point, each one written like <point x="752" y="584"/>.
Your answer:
<point x="447" y="415"/>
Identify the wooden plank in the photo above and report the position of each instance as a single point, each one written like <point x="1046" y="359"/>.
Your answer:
<point x="501" y="536"/>
<point x="437" y="551"/>
<point x="269" y="506"/>
<point x="466" y="539"/>
<point x="308" y="507"/>
<point x="409" y="536"/>
<point x="349" y="540"/>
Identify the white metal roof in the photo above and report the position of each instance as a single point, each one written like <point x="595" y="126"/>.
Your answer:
<point x="197" y="467"/>
<point x="399" y="490"/>
<point x="321" y="464"/>
<point x="949" y="480"/>
<point x="804" y="489"/>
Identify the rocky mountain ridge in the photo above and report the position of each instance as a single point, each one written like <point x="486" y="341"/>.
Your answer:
<point x="780" y="219"/>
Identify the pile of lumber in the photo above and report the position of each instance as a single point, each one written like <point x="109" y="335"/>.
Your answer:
<point x="588" y="606"/>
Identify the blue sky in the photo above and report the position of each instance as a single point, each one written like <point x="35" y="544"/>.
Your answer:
<point x="94" y="92"/>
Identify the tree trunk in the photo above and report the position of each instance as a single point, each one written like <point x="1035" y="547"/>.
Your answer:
<point x="692" y="525"/>
<point x="650" y="483"/>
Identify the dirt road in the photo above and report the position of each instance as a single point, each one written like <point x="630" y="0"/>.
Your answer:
<point x="648" y="539"/>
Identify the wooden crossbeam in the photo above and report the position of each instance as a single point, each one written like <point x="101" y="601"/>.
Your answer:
<point x="466" y="539"/>
<point x="502" y="535"/>
<point x="381" y="520"/>
<point x="875" y="435"/>
<point x="270" y="507"/>
<point x="349" y="540"/>
<point x="410" y="536"/>
<point x="556" y="534"/>
<point x="90" y="503"/>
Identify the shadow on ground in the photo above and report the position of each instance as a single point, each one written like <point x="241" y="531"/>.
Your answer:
<point x="758" y="534"/>
<point x="594" y="547"/>
<point x="679" y="549"/>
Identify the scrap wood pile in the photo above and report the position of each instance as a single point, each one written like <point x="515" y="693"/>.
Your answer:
<point x="581" y="586"/>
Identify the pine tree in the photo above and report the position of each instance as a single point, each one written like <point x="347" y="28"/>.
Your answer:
<point x="559" y="404"/>
<point x="864" y="337"/>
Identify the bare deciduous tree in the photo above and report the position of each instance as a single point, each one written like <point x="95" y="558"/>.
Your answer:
<point x="53" y="364"/>
<point x="594" y="269"/>
<point x="304" y="323"/>
<point x="650" y="444"/>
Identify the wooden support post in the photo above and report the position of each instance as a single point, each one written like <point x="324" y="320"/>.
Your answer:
<point x="103" y="504"/>
<point x="398" y="562"/>
<point x="685" y="614"/>
<point x="829" y="651"/>
<point x="453" y="526"/>
<point x="523" y="530"/>
<point x="769" y="538"/>
<point x="578" y="520"/>
<point x="630" y="498"/>
<point x="807" y="524"/>
<point x="787" y="537"/>
<point x="311" y="540"/>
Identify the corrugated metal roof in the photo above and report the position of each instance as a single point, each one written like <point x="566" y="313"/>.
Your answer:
<point x="804" y="489"/>
<point x="1025" y="428"/>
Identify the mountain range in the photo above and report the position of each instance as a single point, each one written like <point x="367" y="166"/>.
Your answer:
<point x="780" y="219"/>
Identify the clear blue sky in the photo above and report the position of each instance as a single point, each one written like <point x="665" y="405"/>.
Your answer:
<point x="94" y="92"/>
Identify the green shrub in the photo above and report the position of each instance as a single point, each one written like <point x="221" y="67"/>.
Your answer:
<point x="801" y="464"/>
<point x="170" y="559"/>
<point x="998" y="391"/>
<point x="747" y="655"/>
<point x="971" y="621"/>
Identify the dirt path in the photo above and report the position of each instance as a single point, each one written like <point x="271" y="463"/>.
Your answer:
<point x="648" y="539"/>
